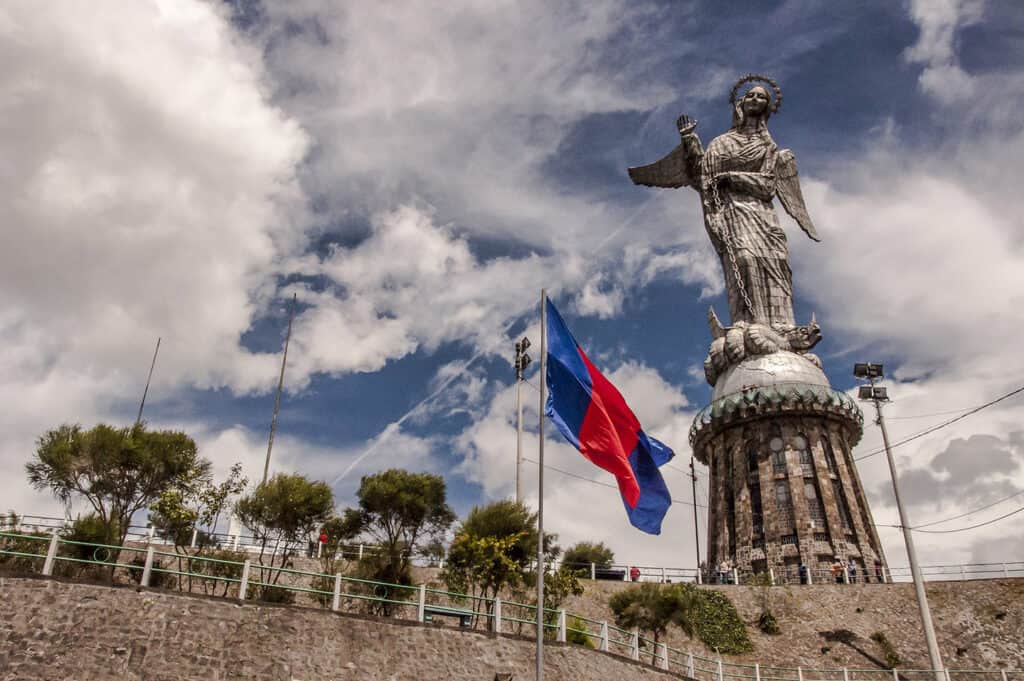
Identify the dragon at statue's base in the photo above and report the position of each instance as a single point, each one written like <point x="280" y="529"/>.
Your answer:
<point x="742" y="340"/>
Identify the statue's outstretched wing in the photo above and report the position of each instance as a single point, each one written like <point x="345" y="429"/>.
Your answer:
<point x="668" y="172"/>
<point x="787" y="186"/>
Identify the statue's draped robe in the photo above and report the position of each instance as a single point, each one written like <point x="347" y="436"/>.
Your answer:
<point x="739" y="216"/>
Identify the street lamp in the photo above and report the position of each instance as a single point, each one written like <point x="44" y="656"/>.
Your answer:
<point x="522" y="361"/>
<point x="878" y="395"/>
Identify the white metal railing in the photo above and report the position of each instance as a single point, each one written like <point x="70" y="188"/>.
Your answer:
<point x="616" y="571"/>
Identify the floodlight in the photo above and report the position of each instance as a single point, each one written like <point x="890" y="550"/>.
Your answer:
<point x="867" y="370"/>
<point x="868" y="392"/>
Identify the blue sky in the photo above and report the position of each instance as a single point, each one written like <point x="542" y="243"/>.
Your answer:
<point x="415" y="174"/>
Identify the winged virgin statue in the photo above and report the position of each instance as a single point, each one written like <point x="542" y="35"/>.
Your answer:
<point x="737" y="176"/>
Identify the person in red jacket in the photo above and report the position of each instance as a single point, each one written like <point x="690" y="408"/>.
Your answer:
<point x="634" y="573"/>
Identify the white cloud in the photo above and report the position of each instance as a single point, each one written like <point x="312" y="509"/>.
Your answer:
<point x="938" y="21"/>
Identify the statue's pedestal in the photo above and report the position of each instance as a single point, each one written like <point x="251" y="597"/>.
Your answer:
<point x="784" y="490"/>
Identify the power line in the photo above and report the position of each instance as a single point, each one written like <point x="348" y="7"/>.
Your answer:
<point x="934" y="428"/>
<point x="598" y="482"/>
<point x="972" y="527"/>
<point x="924" y="416"/>
<point x="972" y="512"/>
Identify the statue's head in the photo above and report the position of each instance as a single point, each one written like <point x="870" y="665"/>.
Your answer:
<point x="757" y="102"/>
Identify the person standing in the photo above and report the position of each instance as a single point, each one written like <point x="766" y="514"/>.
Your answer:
<point x="851" y="570"/>
<point x="837" y="570"/>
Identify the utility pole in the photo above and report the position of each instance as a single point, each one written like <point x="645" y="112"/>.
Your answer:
<point x="696" y="523"/>
<point x="522" y="361"/>
<point x="138" y="419"/>
<point x="280" y="384"/>
<point x="878" y="395"/>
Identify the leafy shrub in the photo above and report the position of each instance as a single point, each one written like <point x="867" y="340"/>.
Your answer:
<point x="892" y="658"/>
<point x="718" y="625"/>
<point x="767" y="623"/>
<point x="578" y="637"/>
<point x="22" y="543"/>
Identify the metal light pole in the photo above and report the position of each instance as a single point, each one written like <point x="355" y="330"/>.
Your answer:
<point x="522" y="361"/>
<point x="696" y="523"/>
<point x="878" y="395"/>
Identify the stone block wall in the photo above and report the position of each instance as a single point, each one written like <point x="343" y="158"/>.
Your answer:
<point x="50" y="629"/>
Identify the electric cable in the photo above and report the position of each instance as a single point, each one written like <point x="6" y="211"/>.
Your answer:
<point x="939" y="426"/>
<point x="972" y="512"/>
<point x="972" y="527"/>
<point x="598" y="482"/>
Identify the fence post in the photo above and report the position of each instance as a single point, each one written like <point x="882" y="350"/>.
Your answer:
<point x="846" y="580"/>
<point x="895" y="675"/>
<point x="603" y="644"/>
<point x="810" y="578"/>
<point x="147" y="570"/>
<point x="421" y="612"/>
<point x="700" y="576"/>
<point x="235" y="543"/>
<point x="634" y="644"/>
<point x="593" y="571"/>
<point x="560" y="633"/>
<point x="947" y="674"/>
<point x="360" y="552"/>
<point x="720" y="676"/>
<point x="625" y="575"/>
<point x="662" y="656"/>
<point x="336" y="601"/>
<point x="663" y="575"/>
<point x="1003" y="673"/>
<point x="757" y="672"/>
<point x="496" y="622"/>
<point x="152" y="532"/>
<point x="319" y="548"/>
<point x="195" y="534"/>
<point x="962" y="577"/>
<point x="771" y="576"/>
<point x="846" y="674"/>
<point x="244" y="583"/>
<point x="689" y="665"/>
<point x="735" y="576"/>
<point x="1006" y="573"/>
<point x="799" y="674"/>
<point x="51" y="555"/>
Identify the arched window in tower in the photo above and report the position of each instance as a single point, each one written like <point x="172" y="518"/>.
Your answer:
<point x="844" y="508"/>
<point x="830" y="456"/>
<point x="778" y="454"/>
<point x="730" y="482"/>
<point x="754" y="484"/>
<point x="815" y="507"/>
<point x="803" y="451"/>
<point x="784" y="507"/>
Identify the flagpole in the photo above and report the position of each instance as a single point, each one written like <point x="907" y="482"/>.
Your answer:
<point x="280" y="385"/>
<point x="540" y="482"/>
<point x="149" y="378"/>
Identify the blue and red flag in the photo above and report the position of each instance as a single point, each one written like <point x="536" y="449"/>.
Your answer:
<point x="591" y="413"/>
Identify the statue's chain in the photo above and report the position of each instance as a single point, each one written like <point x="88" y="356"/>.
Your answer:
<point x="716" y="200"/>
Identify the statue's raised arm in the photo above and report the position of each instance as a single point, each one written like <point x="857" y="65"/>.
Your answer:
<point x="737" y="177"/>
<point x="681" y="168"/>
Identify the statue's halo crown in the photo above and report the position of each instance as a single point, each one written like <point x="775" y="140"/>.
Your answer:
<point x="754" y="77"/>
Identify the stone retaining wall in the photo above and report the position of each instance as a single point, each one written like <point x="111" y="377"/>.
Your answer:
<point x="51" y="629"/>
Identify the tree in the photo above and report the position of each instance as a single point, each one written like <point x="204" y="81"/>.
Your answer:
<point x="493" y="550"/>
<point x="648" y="607"/>
<point x="282" y="514"/>
<point x="581" y="555"/>
<point x="180" y="512"/>
<point x="399" y="510"/>
<point x="118" y="471"/>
